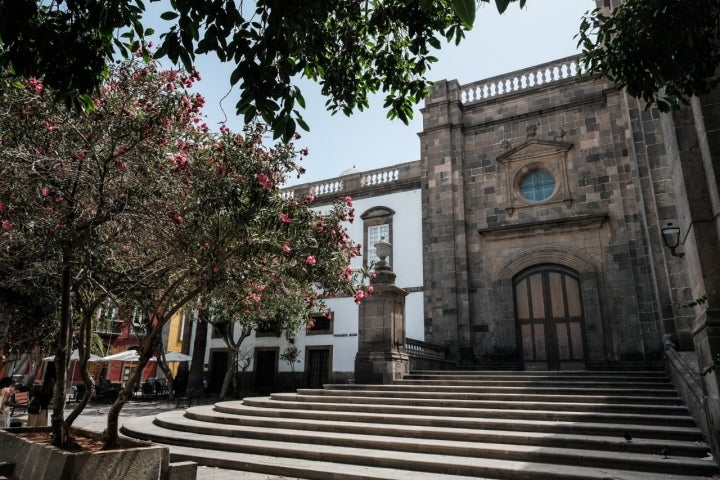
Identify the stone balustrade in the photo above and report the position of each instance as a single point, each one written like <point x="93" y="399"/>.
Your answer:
<point x="521" y="80"/>
<point x="354" y="184"/>
<point x="420" y="349"/>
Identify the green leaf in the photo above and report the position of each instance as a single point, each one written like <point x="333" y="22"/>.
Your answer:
<point x="465" y="10"/>
<point x="502" y="5"/>
<point x="169" y="15"/>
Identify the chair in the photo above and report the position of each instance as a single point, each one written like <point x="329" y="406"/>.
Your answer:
<point x="20" y="399"/>
<point x="71" y="395"/>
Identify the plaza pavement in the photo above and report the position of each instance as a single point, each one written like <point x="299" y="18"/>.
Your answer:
<point x="94" y="418"/>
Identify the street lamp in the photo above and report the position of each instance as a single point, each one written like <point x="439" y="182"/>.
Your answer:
<point x="671" y="237"/>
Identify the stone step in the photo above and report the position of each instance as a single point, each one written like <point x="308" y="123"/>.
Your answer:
<point x="549" y="374"/>
<point x="416" y="444"/>
<point x="302" y="469"/>
<point x="452" y="400"/>
<point x="532" y="467"/>
<point x="294" y="401"/>
<point x="566" y="388"/>
<point x="613" y="443"/>
<point x="541" y="381"/>
<point x="617" y="430"/>
<point x="485" y="393"/>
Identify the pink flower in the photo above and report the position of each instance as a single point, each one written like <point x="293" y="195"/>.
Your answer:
<point x="286" y="248"/>
<point x="176" y="217"/>
<point x="359" y="295"/>
<point x="36" y="84"/>
<point x="47" y="125"/>
<point x="348" y="201"/>
<point x="45" y="191"/>
<point x="2" y="207"/>
<point x="80" y="154"/>
<point x="264" y="181"/>
<point x="6" y="225"/>
<point x="310" y="260"/>
<point x="285" y="218"/>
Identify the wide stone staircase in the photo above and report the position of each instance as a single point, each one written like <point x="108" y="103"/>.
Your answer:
<point x="450" y="425"/>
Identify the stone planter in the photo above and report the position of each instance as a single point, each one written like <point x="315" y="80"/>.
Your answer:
<point x="135" y="460"/>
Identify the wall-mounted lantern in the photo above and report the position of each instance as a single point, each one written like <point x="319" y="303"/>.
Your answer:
<point x="671" y="237"/>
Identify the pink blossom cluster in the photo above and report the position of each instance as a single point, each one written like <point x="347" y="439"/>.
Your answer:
<point x="265" y="181"/>
<point x="35" y="84"/>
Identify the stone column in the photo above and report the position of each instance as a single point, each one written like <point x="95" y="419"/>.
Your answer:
<point x="381" y="356"/>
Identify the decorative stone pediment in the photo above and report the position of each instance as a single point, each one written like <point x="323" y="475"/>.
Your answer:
<point x="536" y="174"/>
<point x="534" y="148"/>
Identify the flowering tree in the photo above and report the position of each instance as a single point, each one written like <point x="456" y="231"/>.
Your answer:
<point x="70" y="181"/>
<point x="139" y="203"/>
<point x="297" y="256"/>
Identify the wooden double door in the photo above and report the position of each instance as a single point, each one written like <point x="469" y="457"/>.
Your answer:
<point x="549" y="316"/>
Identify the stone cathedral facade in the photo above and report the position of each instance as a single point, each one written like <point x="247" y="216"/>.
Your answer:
<point x="544" y="198"/>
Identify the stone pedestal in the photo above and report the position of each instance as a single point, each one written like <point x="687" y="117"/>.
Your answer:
<point x="381" y="356"/>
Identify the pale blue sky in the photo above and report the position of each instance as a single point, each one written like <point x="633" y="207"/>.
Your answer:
<point x="541" y="32"/>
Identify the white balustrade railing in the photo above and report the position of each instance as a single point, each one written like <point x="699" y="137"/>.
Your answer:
<point x="520" y="80"/>
<point x="326" y="188"/>
<point x="379" y="177"/>
<point x="355" y="181"/>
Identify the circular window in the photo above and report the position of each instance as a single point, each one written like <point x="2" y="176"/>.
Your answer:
<point x="537" y="185"/>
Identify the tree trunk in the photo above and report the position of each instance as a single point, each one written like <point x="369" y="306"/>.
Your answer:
<point x="60" y="433"/>
<point x="230" y="372"/>
<point x="168" y="374"/>
<point x="36" y="359"/>
<point x="198" y="356"/>
<point x="85" y="338"/>
<point x="110" y="435"/>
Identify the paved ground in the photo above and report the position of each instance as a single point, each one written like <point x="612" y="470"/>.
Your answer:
<point x="94" y="417"/>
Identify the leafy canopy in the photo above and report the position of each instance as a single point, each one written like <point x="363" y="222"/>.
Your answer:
<point x="661" y="51"/>
<point x="352" y="49"/>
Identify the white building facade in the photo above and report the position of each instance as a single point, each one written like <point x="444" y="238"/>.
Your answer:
<point x="387" y="206"/>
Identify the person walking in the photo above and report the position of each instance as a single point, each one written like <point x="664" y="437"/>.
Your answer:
<point x="7" y="389"/>
<point x="39" y="405"/>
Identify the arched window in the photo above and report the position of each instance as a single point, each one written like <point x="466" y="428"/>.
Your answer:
<point x="377" y="225"/>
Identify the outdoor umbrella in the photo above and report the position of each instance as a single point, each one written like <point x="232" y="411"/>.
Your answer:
<point x="177" y="357"/>
<point x="126" y="356"/>
<point x="74" y="356"/>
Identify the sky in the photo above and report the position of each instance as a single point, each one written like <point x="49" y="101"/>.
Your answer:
<point x="541" y="32"/>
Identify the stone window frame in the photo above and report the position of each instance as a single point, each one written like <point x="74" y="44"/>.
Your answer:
<point x="331" y="324"/>
<point x="270" y="332"/>
<point x="373" y="217"/>
<point x="532" y="155"/>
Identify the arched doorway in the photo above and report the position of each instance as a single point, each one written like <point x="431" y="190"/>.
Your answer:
<point x="549" y="316"/>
